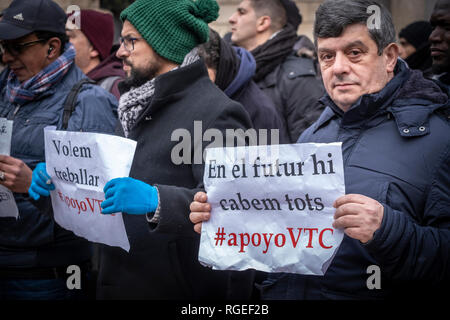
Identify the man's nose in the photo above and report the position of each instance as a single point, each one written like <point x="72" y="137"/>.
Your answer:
<point x="122" y="53"/>
<point x="232" y="19"/>
<point x="341" y="64"/>
<point x="436" y="35"/>
<point x="7" y="57"/>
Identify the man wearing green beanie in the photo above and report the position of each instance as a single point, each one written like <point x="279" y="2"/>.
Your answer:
<point x="166" y="89"/>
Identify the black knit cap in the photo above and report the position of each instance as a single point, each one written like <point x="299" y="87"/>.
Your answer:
<point x="417" y="33"/>
<point x="294" y="18"/>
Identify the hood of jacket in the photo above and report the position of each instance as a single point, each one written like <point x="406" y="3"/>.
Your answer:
<point x="247" y="68"/>
<point x="110" y="67"/>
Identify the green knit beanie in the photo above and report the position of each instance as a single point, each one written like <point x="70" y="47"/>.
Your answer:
<point x="172" y="27"/>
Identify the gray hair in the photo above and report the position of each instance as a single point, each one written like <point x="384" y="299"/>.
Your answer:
<point x="333" y="16"/>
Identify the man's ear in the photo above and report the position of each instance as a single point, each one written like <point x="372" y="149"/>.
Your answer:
<point x="93" y="53"/>
<point x="390" y="54"/>
<point x="54" y="48"/>
<point x="263" y="23"/>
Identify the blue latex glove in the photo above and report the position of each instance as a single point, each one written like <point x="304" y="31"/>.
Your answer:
<point x="129" y="195"/>
<point x="41" y="184"/>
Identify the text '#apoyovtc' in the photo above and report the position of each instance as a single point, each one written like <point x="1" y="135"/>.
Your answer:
<point x="264" y="240"/>
<point x="86" y="205"/>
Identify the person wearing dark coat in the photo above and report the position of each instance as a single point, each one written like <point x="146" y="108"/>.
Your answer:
<point x="395" y="136"/>
<point x="232" y="69"/>
<point x="167" y="96"/>
<point x="440" y="44"/>
<point x="264" y="29"/>
<point x="35" y="252"/>
<point x="415" y="47"/>
<point x="396" y="153"/>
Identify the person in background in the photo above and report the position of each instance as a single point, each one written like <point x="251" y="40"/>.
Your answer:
<point x="440" y="43"/>
<point x="232" y="70"/>
<point x="166" y="90"/>
<point x="35" y="251"/>
<point x="303" y="46"/>
<point x="415" y="47"/>
<point x="262" y="27"/>
<point x="93" y="43"/>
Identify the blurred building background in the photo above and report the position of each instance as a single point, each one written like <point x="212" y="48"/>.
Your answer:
<point x="403" y="11"/>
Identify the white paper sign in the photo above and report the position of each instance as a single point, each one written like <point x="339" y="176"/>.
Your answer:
<point x="80" y="164"/>
<point x="6" y="127"/>
<point x="272" y="208"/>
<point x="8" y="206"/>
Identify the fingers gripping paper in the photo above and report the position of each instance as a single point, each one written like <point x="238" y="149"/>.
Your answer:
<point x="272" y="208"/>
<point x="8" y="206"/>
<point x="80" y="164"/>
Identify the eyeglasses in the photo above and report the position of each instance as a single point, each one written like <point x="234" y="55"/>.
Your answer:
<point x="128" y="42"/>
<point x="16" y="48"/>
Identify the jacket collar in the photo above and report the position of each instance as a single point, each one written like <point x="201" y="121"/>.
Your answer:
<point x="408" y="97"/>
<point x="247" y="68"/>
<point x="73" y="73"/>
<point x="110" y="67"/>
<point x="370" y="104"/>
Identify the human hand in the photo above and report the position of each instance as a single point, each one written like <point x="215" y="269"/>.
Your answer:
<point x="129" y="195"/>
<point x="41" y="184"/>
<point x="358" y="215"/>
<point x="14" y="174"/>
<point x="200" y="210"/>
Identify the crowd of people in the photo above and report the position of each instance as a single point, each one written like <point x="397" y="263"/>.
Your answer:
<point x="385" y="96"/>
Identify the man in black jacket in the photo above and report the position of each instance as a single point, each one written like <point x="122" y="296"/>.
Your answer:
<point x="263" y="28"/>
<point x="167" y="95"/>
<point x="440" y="43"/>
<point x="414" y="46"/>
<point x="395" y="212"/>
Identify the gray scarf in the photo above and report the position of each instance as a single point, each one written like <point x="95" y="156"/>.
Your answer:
<point x="133" y="102"/>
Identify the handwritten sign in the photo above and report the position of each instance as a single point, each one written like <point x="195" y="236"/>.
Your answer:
<point x="272" y="211"/>
<point x="8" y="206"/>
<point x="5" y="136"/>
<point x="80" y="164"/>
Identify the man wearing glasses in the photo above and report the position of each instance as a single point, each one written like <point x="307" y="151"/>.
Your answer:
<point x="40" y="72"/>
<point x="166" y="91"/>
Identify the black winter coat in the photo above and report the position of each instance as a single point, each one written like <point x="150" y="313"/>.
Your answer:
<point x="163" y="259"/>
<point x="295" y="89"/>
<point x="263" y="113"/>
<point x="396" y="150"/>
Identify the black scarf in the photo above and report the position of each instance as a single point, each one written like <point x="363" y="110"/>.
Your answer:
<point x="421" y="59"/>
<point x="273" y="52"/>
<point x="228" y="66"/>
